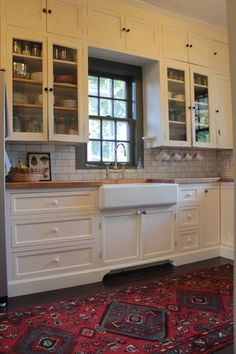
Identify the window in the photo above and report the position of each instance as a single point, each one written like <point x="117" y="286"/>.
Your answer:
<point x="115" y="115"/>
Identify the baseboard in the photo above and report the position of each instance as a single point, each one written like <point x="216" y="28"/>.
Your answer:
<point x="227" y="252"/>
<point x="196" y="256"/>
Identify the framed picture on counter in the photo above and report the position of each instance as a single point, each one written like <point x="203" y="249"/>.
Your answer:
<point x="42" y="161"/>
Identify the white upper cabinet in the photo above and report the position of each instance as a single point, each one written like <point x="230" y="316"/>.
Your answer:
<point x="45" y="89"/>
<point x="186" y="46"/>
<point x="117" y="31"/>
<point x="220" y="56"/>
<point x="223" y="112"/>
<point x="55" y="16"/>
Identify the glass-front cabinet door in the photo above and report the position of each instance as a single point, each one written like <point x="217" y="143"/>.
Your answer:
<point x="64" y="92"/>
<point x="178" y="113"/>
<point x="26" y="68"/>
<point x="202" y="122"/>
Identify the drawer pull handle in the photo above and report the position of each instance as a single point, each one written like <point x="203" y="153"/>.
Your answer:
<point x="55" y="230"/>
<point x="189" y="216"/>
<point x="55" y="202"/>
<point x="56" y="260"/>
<point x="189" y="194"/>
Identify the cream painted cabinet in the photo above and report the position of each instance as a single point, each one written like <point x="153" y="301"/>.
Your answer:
<point x="137" y="235"/>
<point x="46" y="97"/>
<point x="157" y="232"/>
<point x="211" y="215"/>
<point x="186" y="46"/>
<point x="120" y="237"/>
<point x="55" y="16"/>
<point x="220" y="56"/>
<point x="227" y="215"/>
<point x="187" y="99"/>
<point x="114" y="30"/>
<point x="223" y="112"/>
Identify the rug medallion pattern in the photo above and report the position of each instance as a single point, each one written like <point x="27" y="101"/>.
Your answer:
<point x="192" y="313"/>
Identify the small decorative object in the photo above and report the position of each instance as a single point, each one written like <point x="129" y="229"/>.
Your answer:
<point x="198" y="157"/>
<point x="188" y="157"/>
<point x="177" y="156"/>
<point x="139" y="166"/>
<point x="38" y="160"/>
<point x="22" y="173"/>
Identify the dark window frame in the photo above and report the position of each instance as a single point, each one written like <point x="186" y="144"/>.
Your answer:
<point x="115" y="70"/>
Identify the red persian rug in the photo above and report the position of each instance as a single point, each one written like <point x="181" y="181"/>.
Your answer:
<point x="192" y="313"/>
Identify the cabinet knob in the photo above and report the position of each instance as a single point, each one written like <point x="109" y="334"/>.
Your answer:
<point x="138" y="212"/>
<point x="187" y="45"/>
<point x="215" y="53"/>
<point x="217" y="111"/>
<point x="144" y="212"/>
<point x="51" y="89"/>
<point x="219" y="132"/>
<point x="190" y="46"/>
<point x="189" y="107"/>
<point x="123" y="29"/>
<point x="49" y="11"/>
<point x="194" y="107"/>
<point x="206" y="191"/>
<point x="44" y="10"/>
<point x="56" y="260"/>
<point x="128" y="30"/>
<point x="55" y="230"/>
<point x="55" y="202"/>
<point x="45" y="89"/>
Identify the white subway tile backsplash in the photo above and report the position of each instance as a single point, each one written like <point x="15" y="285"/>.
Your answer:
<point x="214" y="163"/>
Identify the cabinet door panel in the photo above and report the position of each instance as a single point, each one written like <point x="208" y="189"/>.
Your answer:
<point x="211" y="211"/>
<point x="157" y="233"/>
<point x="174" y="44"/>
<point x="64" y="18"/>
<point x="220" y="56"/>
<point x="120" y="240"/>
<point x="200" y="52"/>
<point x="142" y="36"/>
<point x="26" y="13"/>
<point x="105" y="27"/>
<point x="223" y="113"/>
<point x="227" y="216"/>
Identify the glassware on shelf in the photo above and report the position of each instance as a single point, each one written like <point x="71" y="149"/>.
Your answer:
<point x="35" y="50"/>
<point x="16" y="47"/>
<point x="20" y="70"/>
<point x="26" y="48"/>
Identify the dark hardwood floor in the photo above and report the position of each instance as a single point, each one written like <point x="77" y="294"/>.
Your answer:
<point x="112" y="281"/>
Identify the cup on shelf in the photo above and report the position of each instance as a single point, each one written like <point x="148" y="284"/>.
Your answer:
<point x="177" y="157"/>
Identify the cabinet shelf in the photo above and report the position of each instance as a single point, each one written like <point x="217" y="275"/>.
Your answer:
<point x="176" y="81"/>
<point x="58" y="61"/>
<point x="200" y="103"/>
<point x="27" y="56"/>
<point x="201" y="86"/>
<point x="64" y="85"/>
<point x="176" y="100"/>
<point x="62" y="108"/>
<point x="27" y="105"/>
<point x="173" y="122"/>
<point x="27" y="81"/>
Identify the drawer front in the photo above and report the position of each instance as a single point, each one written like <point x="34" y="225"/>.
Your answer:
<point x="189" y="194"/>
<point x="189" y="240"/>
<point x="56" y="261"/>
<point x="38" y="203"/>
<point x="189" y="216"/>
<point x="53" y="231"/>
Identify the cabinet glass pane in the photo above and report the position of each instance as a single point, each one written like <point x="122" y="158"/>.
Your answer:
<point x="65" y="90"/>
<point x="201" y="103"/>
<point x="176" y="105"/>
<point x="27" y="87"/>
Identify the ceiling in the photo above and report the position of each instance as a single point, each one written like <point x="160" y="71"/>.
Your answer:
<point x="210" y="11"/>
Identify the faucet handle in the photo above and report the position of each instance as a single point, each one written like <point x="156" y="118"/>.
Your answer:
<point x="107" y="164"/>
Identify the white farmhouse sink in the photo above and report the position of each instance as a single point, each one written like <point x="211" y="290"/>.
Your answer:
<point x="128" y="195"/>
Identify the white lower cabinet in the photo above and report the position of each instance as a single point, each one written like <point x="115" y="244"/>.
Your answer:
<point x="227" y="215"/>
<point x="136" y="235"/>
<point x="50" y="237"/>
<point x="198" y="217"/>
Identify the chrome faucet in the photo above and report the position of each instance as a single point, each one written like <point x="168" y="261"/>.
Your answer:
<point x="117" y="145"/>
